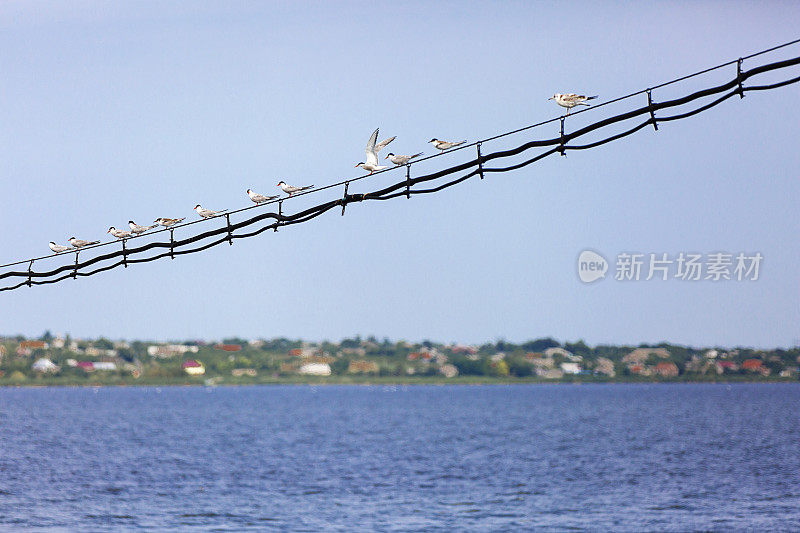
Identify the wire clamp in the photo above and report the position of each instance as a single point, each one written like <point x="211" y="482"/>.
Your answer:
<point x="408" y="181"/>
<point x="561" y="147"/>
<point x="739" y="77"/>
<point x="230" y="234"/>
<point x="75" y="270"/>
<point x="30" y="265"/>
<point x="124" y="254"/>
<point x="652" y="111"/>
<point x="480" y="160"/>
<point x="344" y="198"/>
<point x="171" y="243"/>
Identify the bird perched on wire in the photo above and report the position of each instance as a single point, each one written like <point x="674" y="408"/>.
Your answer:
<point x="137" y="229"/>
<point x="58" y="248"/>
<point x="167" y="222"/>
<point x="372" y="149"/>
<point x="259" y="198"/>
<point x="401" y="159"/>
<point x="78" y="243"/>
<point x="289" y="189"/>
<point x="119" y="234"/>
<point x="207" y="213"/>
<point x="444" y="145"/>
<point x="571" y="100"/>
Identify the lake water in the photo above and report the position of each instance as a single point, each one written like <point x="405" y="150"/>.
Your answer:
<point x="479" y="458"/>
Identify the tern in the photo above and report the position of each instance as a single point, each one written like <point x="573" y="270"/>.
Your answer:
<point x="289" y="189"/>
<point x="137" y="229"/>
<point x="444" y="145"/>
<point x="259" y="198"/>
<point x="58" y="248"/>
<point x="119" y="234"/>
<point x="372" y="152"/>
<point x="571" y="100"/>
<point x="78" y="243"/>
<point x="207" y="213"/>
<point x="167" y="222"/>
<point x="401" y="159"/>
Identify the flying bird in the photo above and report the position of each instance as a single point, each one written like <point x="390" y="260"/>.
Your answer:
<point x="289" y="189"/>
<point x="137" y="229"/>
<point x="167" y="222"/>
<point x="78" y="243"/>
<point x="259" y="198"/>
<point x="58" y="248"/>
<point x="118" y="233"/>
<point x="571" y="100"/>
<point x="444" y="145"/>
<point x="207" y="213"/>
<point x="373" y="147"/>
<point x="401" y="159"/>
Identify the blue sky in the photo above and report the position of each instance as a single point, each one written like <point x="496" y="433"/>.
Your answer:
<point x="112" y="111"/>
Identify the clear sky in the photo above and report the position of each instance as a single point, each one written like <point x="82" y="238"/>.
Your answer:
<point x="118" y="110"/>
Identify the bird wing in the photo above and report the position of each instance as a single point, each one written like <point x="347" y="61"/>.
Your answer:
<point x="381" y="145"/>
<point x="372" y="154"/>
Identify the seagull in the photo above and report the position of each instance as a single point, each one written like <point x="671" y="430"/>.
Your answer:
<point x="259" y="198"/>
<point x="137" y="229"/>
<point x="118" y="233"/>
<point x="372" y="152"/>
<point x="288" y="189"/>
<point x="57" y="248"/>
<point x="401" y="159"/>
<point x="571" y="100"/>
<point x="444" y="145"/>
<point x="207" y="213"/>
<point x="167" y="222"/>
<point x="78" y="243"/>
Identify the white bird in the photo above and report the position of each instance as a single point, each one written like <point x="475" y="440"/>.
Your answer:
<point x="207" y="213"/>
<point x="167" y="222"/>
<point x="401" y="159"/>
<point x="78" y="243"/>
<point x="373" y="147"/>
<point x="444" y="145"/>
<point x="571" y="100"/>
<point x="118" y="233"/>
<point x="58" y="248"/>
<point x="259" y="198"/>
<point x="137" y="229"/>
<point x="289" y="189"/>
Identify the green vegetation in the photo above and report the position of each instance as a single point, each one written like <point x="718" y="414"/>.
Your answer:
<point x="52" y="360"/>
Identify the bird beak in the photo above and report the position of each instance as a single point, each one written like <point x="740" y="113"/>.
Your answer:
<point x="550" y="98"/>
<point x="357" y="165"/>
<point x="387" y="157"/>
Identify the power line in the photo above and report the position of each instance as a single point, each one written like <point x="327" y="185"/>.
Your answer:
<point x="403" y="188"/>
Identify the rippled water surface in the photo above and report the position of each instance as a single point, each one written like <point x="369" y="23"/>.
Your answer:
<point x="622" y="457"/>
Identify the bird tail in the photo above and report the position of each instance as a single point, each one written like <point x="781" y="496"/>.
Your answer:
<point x="93" y="242"/>
<point x="415" y="155"/>
<point x="591" y="97"/>
<point x="180" y="220"/>
<point x="306" y="187"/>
<point x="460" y="143"/>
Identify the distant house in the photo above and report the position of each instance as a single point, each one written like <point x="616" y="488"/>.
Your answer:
<point x="228" y="347"/>
<point x="667" y="369"/>
<point x="170" y="350"/>
<point x="363" y="367"/>
<point x="464" y="349"/>
<point x="423" y="356"/>
<point x="604" y="366"/>
<point x="44" y="366"/>
<point x="753" y="365"/>
<point x="238" y="372"/>
<point x="571" y="368"/>
<point x="552" y="352"/>
<point x="726" y="366"/>
<point x="33" y="345"/>
<point x="105" y="365"/>
<point x="639" y="370"/>
<point x="549" y="373"/>
<point x="193" y="367"/>
<point x="316" y="369"/>
<point x="87" y="366"/>
<point x="448" y="370"/>
<point x="640" y="355"/>
<point x="99" y="352"/>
